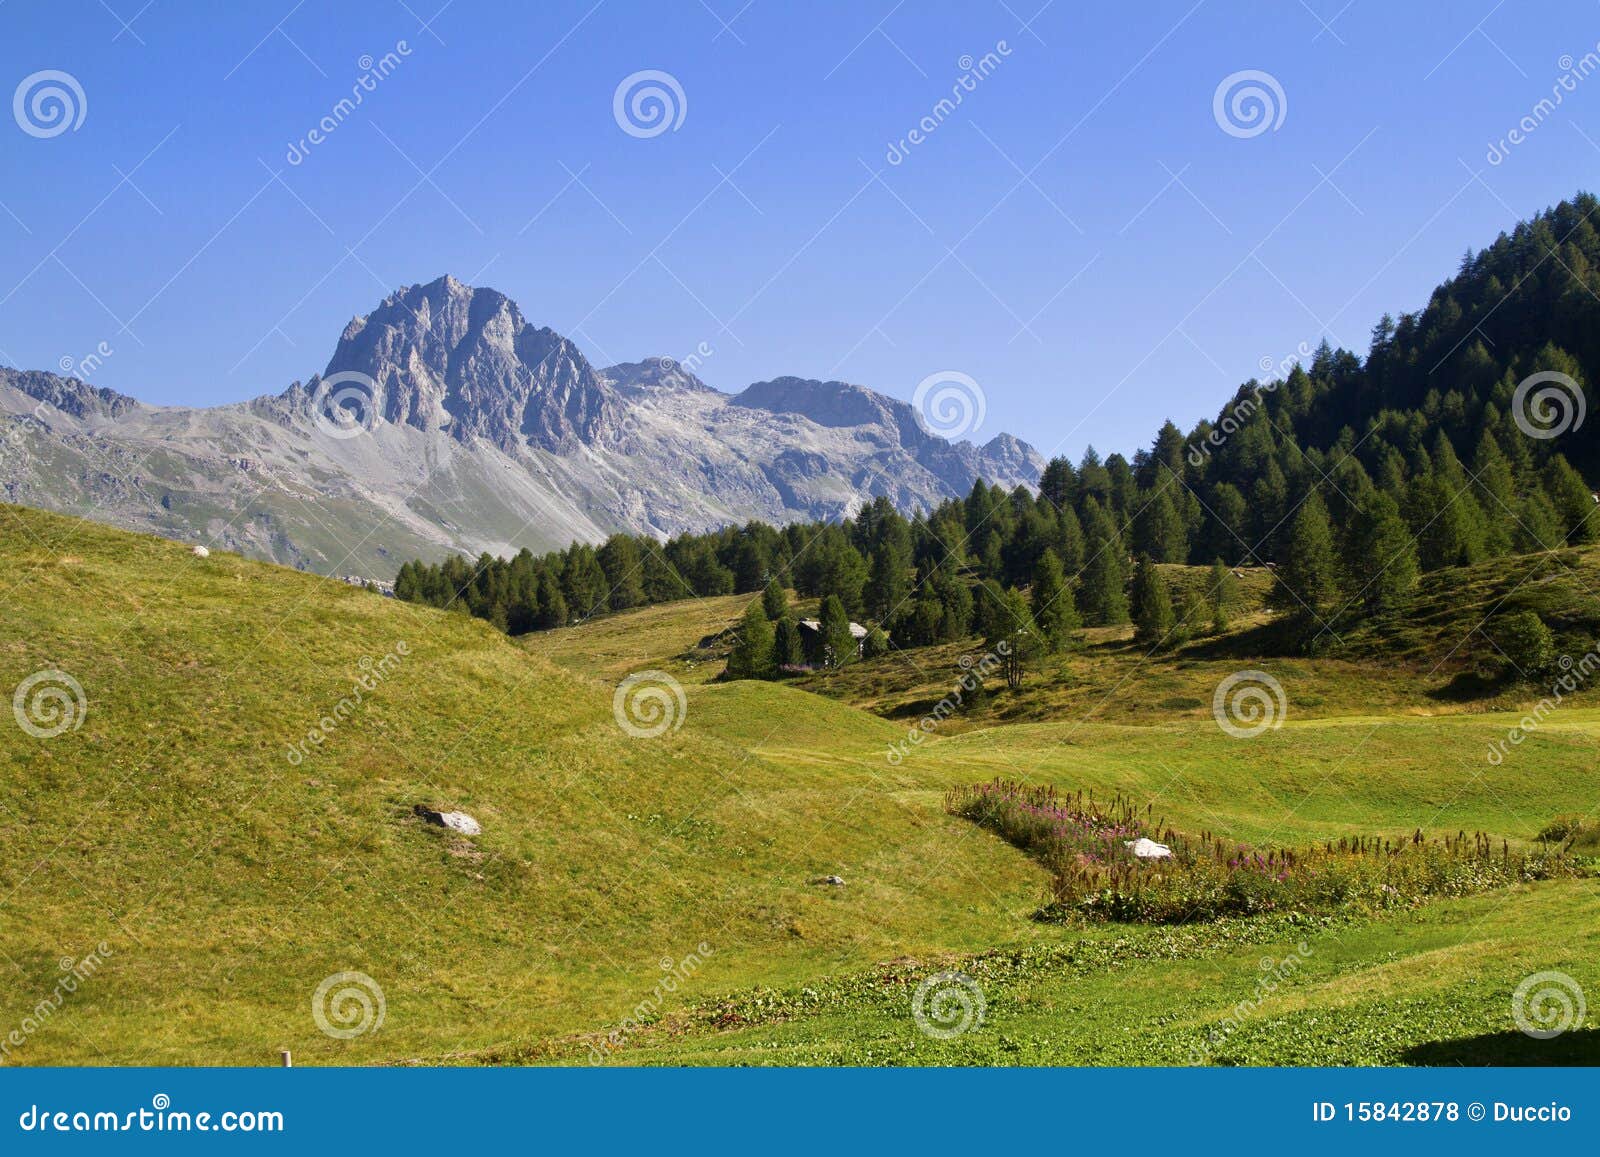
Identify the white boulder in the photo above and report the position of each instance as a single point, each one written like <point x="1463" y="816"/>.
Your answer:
<point x="201" y="552"/>
<point x="455" y="821"/>
<point x="1146" y="849"/>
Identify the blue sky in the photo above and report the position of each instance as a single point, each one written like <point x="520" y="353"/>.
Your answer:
<point x="1080" y="236"/>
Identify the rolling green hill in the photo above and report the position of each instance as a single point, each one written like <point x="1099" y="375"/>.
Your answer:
<point x="227" y="880"/>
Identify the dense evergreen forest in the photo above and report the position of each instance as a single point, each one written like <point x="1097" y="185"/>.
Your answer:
<point x="1351" y="476"/>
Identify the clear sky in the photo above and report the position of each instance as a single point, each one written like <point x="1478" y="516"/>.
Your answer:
<point x="1080" y="235"/>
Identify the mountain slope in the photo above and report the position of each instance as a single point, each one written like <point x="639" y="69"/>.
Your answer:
<point x="445" y="422"/>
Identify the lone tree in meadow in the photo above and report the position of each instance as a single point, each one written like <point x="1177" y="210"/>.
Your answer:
<point x="752" y="655"/>
<point x="1052" y="606"/>
<point x="1222" y="593"/>
<point x="1013" y="636"/>
<point x="839" y="645"/>
<point x="1153" y="618"/>
<point x="1524" y="642"/>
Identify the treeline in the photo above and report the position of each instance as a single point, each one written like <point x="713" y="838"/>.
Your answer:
<point x="1350" y="476"/>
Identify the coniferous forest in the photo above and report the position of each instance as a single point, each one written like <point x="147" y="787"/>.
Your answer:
<point x="1349" y="475"/>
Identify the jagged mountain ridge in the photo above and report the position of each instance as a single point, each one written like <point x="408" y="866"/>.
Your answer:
<point x="481" y="432"/>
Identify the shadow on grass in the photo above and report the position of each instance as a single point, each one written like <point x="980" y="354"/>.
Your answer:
<point x="1468" y="686"/>
<point x="1580" y="1047"/>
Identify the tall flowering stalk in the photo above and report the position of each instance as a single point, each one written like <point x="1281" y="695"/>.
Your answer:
<point x="1087" y="845"/>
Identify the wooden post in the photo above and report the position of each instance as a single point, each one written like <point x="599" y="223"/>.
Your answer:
<point x="288" y="1061"/>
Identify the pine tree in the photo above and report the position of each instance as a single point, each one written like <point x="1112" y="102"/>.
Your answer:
<point x="774" y="600"/>
<point x="1573" y="503"/>
<point x="661" y="583"/>
<point x="620" y="562"/>
<point x="1153" y="618"/>
<point x="1380" y="556"/>
<point x="1013" y="638"/>
<point x="1308" y="576"/>
<point x="1101" y="597"/>
<point x="1051" y="604"/>
<point x="788" y="649"/>
<point x="583" y="582"/>
<point x="752" y="655"/>
<point x="1222" y="595"/>
<point x="1159" y="530"/>
<point x="839" y="645"/>
<point x="552" y="603"/>
<point x="886" y="585"/>
<point x="1058" y="485"/>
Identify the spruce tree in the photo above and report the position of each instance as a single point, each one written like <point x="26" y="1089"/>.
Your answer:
<point x="886" y="585"/>
<point x="1380" y="556"/>
<point x="839" y="645"/>
<point x="1222" y="595"/>
<point x="788" y="650"/>
<point x="1101" y="598"/>
<point x="1153" y="618"/>
<point x="1308" y="575"/>
<point x="774" y="600"/>
<point x="1051" y="604"/>
<point x="752" y="655"/>
<point x="552" y="603"/>
<point x="1572" y="500"/>
<point x="620" y="562"/>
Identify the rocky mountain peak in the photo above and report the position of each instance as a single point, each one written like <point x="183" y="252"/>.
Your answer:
<point x="653" y="375"/>
<point x="446" y="355"/>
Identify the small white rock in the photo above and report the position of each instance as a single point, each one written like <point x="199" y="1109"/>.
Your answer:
<point x="1146" y="849"/>
<point x="455" y="821"/>
<point x="201" y="552"/>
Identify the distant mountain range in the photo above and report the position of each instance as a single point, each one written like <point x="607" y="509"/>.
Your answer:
<point x="446" y="422"/>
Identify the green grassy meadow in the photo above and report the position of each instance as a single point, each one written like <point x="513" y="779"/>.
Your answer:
<point x="227" y="880"/>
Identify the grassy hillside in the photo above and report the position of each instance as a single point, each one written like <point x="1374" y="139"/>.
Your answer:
<point x="228" y="881"/>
